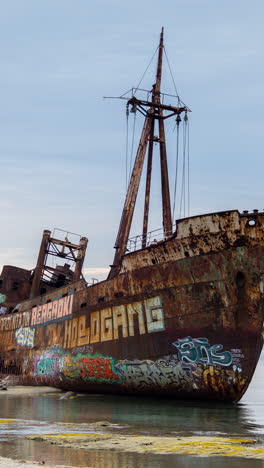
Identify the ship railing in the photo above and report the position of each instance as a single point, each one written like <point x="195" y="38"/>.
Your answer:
<point x="151" y="238"/>
<point x="92" y="282"/>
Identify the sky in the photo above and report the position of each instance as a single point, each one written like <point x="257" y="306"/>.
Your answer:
<point x="62" y="146"/>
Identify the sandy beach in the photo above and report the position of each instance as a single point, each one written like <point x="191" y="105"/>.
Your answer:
<point x="8" y="463"/>
<point x="20" y="390"/>
<point x="201" y="446"/>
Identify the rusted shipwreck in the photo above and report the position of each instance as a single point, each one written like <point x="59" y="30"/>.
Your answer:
<point x="180" y="317"/>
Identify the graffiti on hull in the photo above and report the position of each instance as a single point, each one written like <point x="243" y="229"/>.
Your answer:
<point x="197" y="366"/>
<point x="171" y="375"/>
<point x="25" y="336"/>
<point x="157" y="375"/>
<point x="199" y="350"/>
<point x="46" y="365"/>
<point x="52" y="311"/>
<point x="113" y="323"/>
<point x="62" y="365"/>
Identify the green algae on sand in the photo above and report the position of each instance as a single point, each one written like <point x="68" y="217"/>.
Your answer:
<point x="199" y="446"/>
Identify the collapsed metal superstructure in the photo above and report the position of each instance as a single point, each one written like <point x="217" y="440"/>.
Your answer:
<point x="20" y="284"/>
<point x="55" y="276"/>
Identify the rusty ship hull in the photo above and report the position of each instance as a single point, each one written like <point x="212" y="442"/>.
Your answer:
<point x="183" y="318"/>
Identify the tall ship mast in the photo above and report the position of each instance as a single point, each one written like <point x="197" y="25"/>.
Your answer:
<point x="154" y="112"/>
<point x="180" y="316"/>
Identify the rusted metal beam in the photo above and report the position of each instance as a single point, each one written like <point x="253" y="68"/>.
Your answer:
<point x="129" y="206"/>
<point x="159" y="66"/>
<point x="40" y="264"/>
<point x="148" y="184"/>
<point x="139" y="102"/>
<point x="64" y="243"/>
<point x="80" y="258"/>
<point x="166" y="204"/>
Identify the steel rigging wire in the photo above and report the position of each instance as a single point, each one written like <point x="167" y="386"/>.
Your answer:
<point x="127" y="115"/>
<point x="178" y="120"/>
<point x="183" y="187"/>
<point x="175" y="87"/>
<point x="188" y="159"/>
<point x="128" y="173"/>
<point x="151" y="60"/>
<point x="185" y="173"/>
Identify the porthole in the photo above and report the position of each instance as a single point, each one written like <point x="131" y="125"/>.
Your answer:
<point x="251" y="222"/>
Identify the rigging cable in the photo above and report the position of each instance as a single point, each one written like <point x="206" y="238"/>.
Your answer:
<point x="140" y="81"/>
<point x="188" y="159"/>
<point x="183" y="195"/>
<point x="132" y="145"/>
<point x="178" y="120"/>
<point x="175" y="87"/>
<point x="127" y="115"/>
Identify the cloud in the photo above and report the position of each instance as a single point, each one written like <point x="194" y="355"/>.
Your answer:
<point x="92" y="273"/>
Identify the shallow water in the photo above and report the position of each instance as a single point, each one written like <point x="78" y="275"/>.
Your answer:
<point x="46" y="413"/>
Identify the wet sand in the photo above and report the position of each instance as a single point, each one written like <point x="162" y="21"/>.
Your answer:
<point x="202" y="446"/>
<point x="28" y="390"/>
<point x="8" y="463"/>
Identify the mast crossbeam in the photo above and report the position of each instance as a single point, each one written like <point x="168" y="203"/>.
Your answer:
<point x="140" y="103"/>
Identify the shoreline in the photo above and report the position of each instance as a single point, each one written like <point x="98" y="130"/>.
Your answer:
<point x="28" y="390"/>
<point x="10" y="463"/>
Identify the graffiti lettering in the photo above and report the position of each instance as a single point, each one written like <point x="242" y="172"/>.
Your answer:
<point x="14" y="321"/>
<point x="166" y="374"/>
<point x="106" y="325"/>
<point x="82" y="350"/>
<point x="45" y="366"/>
<point x="52" y="311"/>
<point x="199" y="350"/>
<point x="154" y="313"/>
<point x="2" y="298"/>
<point x="25" y="336"/>
<point x="96" y="368"/>
<point x="115" y="323"/>
<point x="95" y="327"/>
<point x="135" y="310"/>
<point x="146" y="375"/>
<point x="58" y="363"/>
<point x="120" y="319"/>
